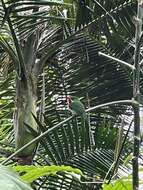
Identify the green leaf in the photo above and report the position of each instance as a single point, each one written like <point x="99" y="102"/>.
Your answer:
<point x="121" y="184"/>
<point x="32" y="173"/>
<point x="9" y="180"/>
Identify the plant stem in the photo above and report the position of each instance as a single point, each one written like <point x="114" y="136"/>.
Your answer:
<point x="136" y="148"/>
<point x="117" y="60"/>
<point x="21" y="67"/>
<point x="130" y="102"/>
<point x="112" y="169"/>
<point x="136" y="96"/>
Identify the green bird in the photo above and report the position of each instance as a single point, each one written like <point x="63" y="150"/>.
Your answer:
<point x="77" y="106"/>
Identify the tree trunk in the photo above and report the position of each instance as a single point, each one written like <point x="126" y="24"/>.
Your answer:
<point x="25" y="106"/>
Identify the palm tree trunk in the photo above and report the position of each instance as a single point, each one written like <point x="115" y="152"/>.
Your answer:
<point x="25" y="107"/>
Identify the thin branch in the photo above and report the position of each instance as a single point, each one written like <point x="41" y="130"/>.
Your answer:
<point x="43" y="17"/>
<point x="8" y="49"/>
<point x="118" y="60"/>
<point x="130" y="102"/>
<point x="107" y="13"/>
<point x="46" y="3"/>
<point x="141" y="62"/>
<point x="114" y="165"/>
<point x="42" y="104"/>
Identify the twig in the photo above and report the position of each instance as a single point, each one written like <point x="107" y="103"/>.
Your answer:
<point x="130" y="102"/>
<point x="114" y="165"/>
<point x="118" y="60"/>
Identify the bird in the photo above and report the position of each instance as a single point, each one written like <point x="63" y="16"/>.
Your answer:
<point x="77" y="107"/>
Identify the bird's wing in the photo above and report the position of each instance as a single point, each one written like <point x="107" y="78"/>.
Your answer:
<point x="78" y="107"/>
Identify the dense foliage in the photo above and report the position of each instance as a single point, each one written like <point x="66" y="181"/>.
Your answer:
<point x="48" y="50"/>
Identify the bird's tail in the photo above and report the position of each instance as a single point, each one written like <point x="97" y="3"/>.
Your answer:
<point x="85" y="117"/>
<point x="86" y="129"/>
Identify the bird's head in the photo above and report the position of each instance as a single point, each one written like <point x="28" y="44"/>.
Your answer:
<point x="69" y="100"/>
